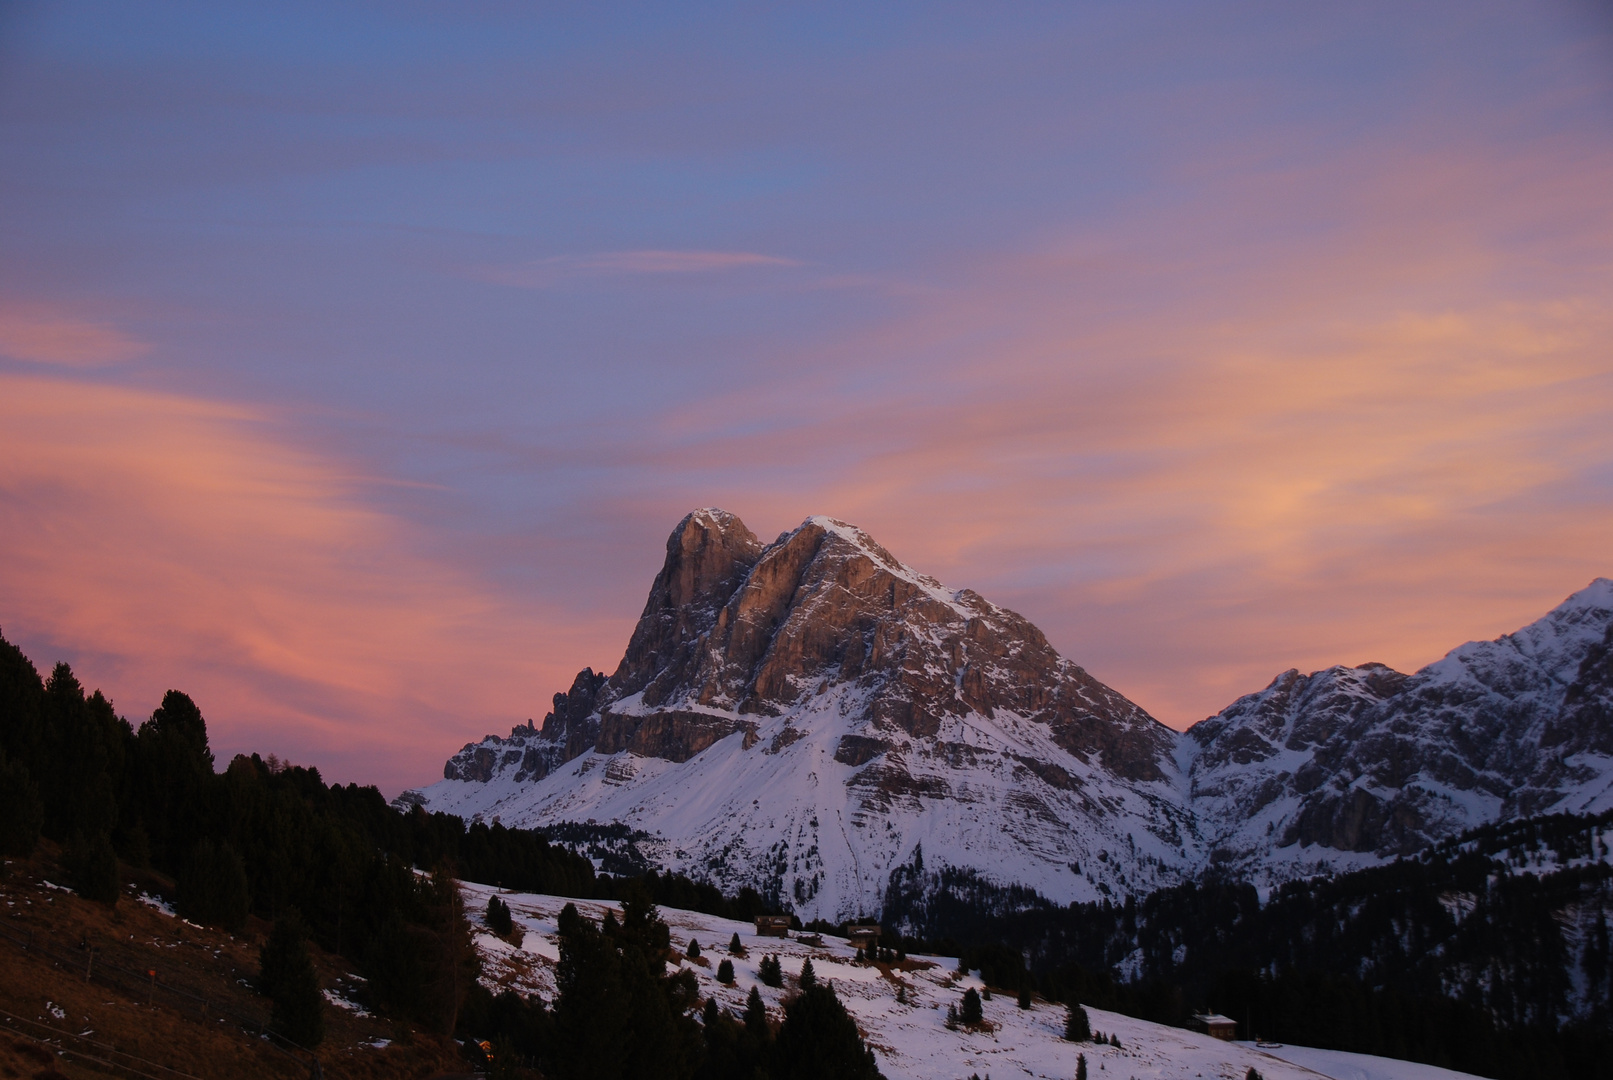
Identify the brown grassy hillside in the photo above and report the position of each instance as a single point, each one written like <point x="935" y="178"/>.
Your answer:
<point x="81" y="1001"/>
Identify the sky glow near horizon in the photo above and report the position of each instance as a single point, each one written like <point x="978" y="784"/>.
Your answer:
<point x="356" y="360"/>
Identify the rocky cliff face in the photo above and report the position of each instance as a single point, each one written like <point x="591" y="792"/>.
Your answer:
<point x="814" y="696"/>
<point x="810" y="715"/>
<point x="1368" y="763"/>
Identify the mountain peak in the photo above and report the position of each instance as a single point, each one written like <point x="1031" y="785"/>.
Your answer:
<point x="793" y="696"/>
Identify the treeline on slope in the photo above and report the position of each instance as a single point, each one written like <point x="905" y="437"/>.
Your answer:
<point x="271" y="839"/>
<point x="619" y="1015"/>
<point x="1454" y="958"/>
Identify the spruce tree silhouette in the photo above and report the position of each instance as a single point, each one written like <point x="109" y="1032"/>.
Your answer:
<point x="286" y="975"/>
<point x="819" y="1041"/>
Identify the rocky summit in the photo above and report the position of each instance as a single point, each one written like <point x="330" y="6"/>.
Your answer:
<point x="815" y="719"/>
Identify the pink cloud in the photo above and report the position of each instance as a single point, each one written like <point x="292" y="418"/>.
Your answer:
<point x="164" y="541"/>
<point x="546" y="272"/>
<point x="45" y="335"/>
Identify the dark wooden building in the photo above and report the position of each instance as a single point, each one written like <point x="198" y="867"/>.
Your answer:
<point x="773" y="926"/>
<point x="1216" y="1026"/>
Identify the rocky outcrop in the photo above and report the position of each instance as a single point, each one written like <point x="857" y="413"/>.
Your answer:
<point x="1368" y="761"/>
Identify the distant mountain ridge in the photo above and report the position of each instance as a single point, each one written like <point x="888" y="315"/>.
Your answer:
<point x="811" y="717"/>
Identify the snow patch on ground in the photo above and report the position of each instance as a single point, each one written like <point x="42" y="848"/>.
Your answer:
<point x="1338" y="1065"/>
<point x="157" y="903"/>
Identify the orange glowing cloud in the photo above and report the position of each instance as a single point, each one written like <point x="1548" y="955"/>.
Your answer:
<point x="162" y="541"/>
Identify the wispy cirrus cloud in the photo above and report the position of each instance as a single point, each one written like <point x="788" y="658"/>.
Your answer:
<point x="159" y="540"/>
<point x="542" y="273"/>
<point x="45" y="334"/>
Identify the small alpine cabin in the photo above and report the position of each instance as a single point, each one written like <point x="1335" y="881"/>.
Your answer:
<point x="1217" y="1026"/>
<point x="863" y="935"/>
<point x="773" y="926"/>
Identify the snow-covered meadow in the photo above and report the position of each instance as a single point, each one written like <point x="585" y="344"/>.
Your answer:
<point x="911" y="1039"/>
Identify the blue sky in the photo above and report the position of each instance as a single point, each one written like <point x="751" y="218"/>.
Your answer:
<point x="1217" y="339"/>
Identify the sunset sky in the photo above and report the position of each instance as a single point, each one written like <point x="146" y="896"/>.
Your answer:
<point x="355" y="360"/>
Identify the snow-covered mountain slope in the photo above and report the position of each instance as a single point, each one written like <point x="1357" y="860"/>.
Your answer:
<point x="805" y="716"/>
<point x="808" y="716"/>
<point x="1354" y="765"/>
<point x="911" y="1039"/>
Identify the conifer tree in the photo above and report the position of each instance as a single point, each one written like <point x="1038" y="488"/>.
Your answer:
<point x="771" y="971"/>
<point x="819" y="1041"/>
<point x="1024" y="997"/>
<point x="755" y="1014"/>
<point x="725" y="972"/>
<point x="1080" y="1067"/>
<point x="92" y="868"/>
<point x="1077" y="1028"/>
<point x="734" y="946"/>
<point x="694" y="949"/>
<point x="213" y="888"/>
<point x="809" y="978"/>
<point x="970" y="1011"/>
<point x="286" y="975"/>
<point x="499" y="919"/>
<point x="22" y="813"/>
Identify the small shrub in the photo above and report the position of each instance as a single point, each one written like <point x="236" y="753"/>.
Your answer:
<point x="693" y="952"/>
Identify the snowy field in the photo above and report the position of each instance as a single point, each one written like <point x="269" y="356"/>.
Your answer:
<point x="1342" y="1066"/>
<point x="911" y="1040"/>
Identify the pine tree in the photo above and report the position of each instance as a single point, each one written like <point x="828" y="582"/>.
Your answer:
<point x="1114" y="1040"/>
<point x="22" y="813"/>
<point x="809" y="978"/>
<point x="725" y="972"/>
<point x="970" y="1011"/>
<point x="734" y="947"/>
<point x="1253" y="1074"/>
<point x="771" y="971"/>
<point x="1024" y="997"/>
<point x="1080" y="1067"/>
<point x="286" y="975"/>
<point x="92" y="868"/>
<point x="755" y="1013"/>
<point x="213" y="888"/>
<point x="694" y="949"/>
<point x="498" y="918"/>
<point x="819" y="1041"/>
<point x="1077" y="1028"/>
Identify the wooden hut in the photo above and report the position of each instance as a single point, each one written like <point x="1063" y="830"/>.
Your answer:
<point x="773" y="926"/>
<point x="1217" y="1026"/>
